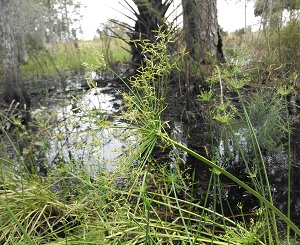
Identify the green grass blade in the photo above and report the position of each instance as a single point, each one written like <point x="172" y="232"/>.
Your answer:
<point x="239" y="182"/>
<point x="12" y="215"/>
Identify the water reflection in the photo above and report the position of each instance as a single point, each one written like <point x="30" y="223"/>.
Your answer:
<point x="82" y="133"/>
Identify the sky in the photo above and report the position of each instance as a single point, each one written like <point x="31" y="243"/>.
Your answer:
<point x="231" y="15"/>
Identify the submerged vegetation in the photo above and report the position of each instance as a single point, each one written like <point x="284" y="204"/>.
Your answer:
<point x="145" y="199"/>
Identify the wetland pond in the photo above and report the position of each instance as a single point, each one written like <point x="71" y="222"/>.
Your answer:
<point x="81" y="133"/>
<point x="76" y="136"/>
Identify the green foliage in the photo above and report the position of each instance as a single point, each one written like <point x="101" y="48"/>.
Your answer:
<point x="69" y="58"/>
<point x="265" y="109"/>
<point x="290" y="48"/>
<point x="33" y="43"/>
<point x="271" y="53"/>
<point x="262" y="124"/>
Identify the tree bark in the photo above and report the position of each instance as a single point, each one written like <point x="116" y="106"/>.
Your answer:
<point x="14" y="89"/>
<point x="50" y="15"/>
<point x="202" y="32"/>
<point x="203" y="44"/>
<point x="151" y="15"/>
<point x="18" y="24"/>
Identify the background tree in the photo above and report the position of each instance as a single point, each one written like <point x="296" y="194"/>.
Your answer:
<point x="279" y="34"/>
<point x="271" y="11"/>
<point x="203" y="42"/>
<point x="50" y="21"/>
<point x="69" y="12"/>
<point x="151" y="14"/>
<point x="51" y="14"/>
<point x="202" y="32"/>
<point x="18" y="25"/>
<point x="109" y="33"/>
<point x="14" y="90"/>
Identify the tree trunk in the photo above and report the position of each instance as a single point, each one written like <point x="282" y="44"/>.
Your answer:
<point x="202" y="33"/>
<point x="203" y="43"/>
<point x="52" y="36"/>
<point x="66" y="20"/>
<point x="14" y="89"/>
<point x="19" y="20"/>
<point x="151" y="15"/>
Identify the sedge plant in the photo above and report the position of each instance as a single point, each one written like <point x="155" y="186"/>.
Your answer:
<point x="257" y="173"/>
<point x="145" y="104"/>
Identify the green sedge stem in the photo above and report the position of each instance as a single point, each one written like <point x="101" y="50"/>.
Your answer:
<point x="239" y="182"/>
<point x="12" y="215"/>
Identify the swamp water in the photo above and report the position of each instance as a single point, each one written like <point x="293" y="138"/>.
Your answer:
<point x="277" y="170"/>
<point x="80" y="132"/>
<point x="79" y="136"/>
